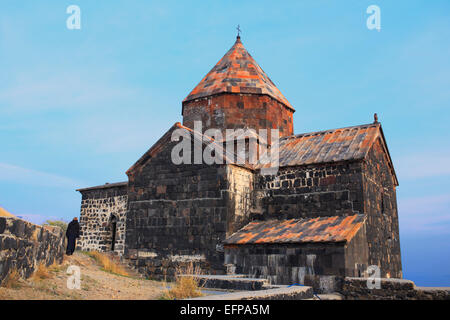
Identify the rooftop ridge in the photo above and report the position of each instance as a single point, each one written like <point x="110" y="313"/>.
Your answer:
<point x="315" y="133"/>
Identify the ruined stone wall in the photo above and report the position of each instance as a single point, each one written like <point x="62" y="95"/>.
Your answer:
<point x="312" y="191"/>
<point x="382" y="216"/>
<point x="23" y="246"/>
<point x="232" y="111"/>
<point x="98" y="207"/>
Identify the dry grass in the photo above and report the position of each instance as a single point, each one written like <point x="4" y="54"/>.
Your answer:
<point x="41" y="272"/>
<point x="3" y="294"/>
<point x="95" y="284"/>
<point x="186" y="283"/>
<point x="55" y="267"/>
<point x="107" y="264"/>
<point x="12" y="280"/>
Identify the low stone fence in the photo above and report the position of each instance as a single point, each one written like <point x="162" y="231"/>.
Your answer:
<point x="391" y="289"/>
<point x="24" y="245"/>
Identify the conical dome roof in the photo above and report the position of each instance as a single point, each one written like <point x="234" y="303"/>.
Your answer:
<point x="237" y="72"/>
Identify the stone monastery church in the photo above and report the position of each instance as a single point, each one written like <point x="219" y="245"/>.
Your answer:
<point x="329" y="211"/>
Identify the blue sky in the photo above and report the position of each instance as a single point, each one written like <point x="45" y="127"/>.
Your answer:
<point x="78" y="107"/>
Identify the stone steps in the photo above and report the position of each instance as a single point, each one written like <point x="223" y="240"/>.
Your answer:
<point x="231" y="282"/>
<point x="239" y="287"/>
<point x="278" y="293"/>
<point x="329" y="296"/>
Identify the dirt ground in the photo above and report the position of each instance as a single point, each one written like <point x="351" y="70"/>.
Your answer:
<point x="95" y="284"/>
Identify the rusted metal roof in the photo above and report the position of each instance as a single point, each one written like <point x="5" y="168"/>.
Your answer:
<point x="237" y="72"/>
<point x="349" y="143"/>
<point x="310" y="230"/>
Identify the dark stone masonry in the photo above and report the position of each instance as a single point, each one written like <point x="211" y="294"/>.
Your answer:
<point x="182" y="213"/>
<point x="102" y="218"/>
<point x="23" y="246"/>
<point x="327" y="213"/>
<point x="312" y="191"/>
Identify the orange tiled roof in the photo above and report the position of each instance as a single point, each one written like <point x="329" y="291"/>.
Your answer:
<point x="344" y="144"/>
<point x="237" y="72"/>
<point x="350" y="143"/>
<point x="334" y="145"/>
<point x="321" y="229"/>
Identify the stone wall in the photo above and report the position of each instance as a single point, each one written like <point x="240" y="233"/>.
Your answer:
<point x="101" y="208"/>
<point x="357" y="254"/>
<point x="382" y="216"/>
<point x="391" y="289"/>
<point x="312" y="191"/>
<point x="232" y="111"/>
<point x="240" y="187"/>
<point x="23" y="246"/>
<point x="179" y="214"/>
<point x="176" y="214"/>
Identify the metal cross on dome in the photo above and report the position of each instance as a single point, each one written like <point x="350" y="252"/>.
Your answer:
<point x="238" y="30"/>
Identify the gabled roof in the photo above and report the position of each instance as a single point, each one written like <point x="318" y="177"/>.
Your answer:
<point x="344" y="144"/>
<point x="237" y="72"/>
<point x="309" y="230"/>
<point x="228" y="157"/>
<point x="155" y="149"/>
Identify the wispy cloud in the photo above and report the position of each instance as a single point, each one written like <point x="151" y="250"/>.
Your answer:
<point x="423" y="165"/>
<point x="425" y="214"/>
<point x="120" y="135"/>
<point x="20" y="175"/>
<point x="37" y="91"/>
